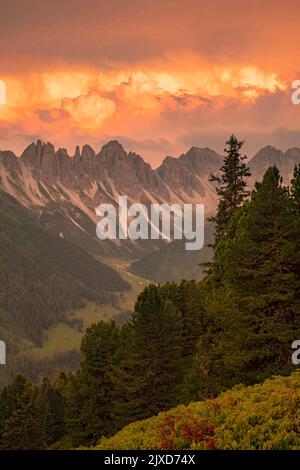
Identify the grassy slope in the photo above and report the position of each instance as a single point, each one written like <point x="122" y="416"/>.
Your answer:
<point x="18" y="224"/>
<point x="42" y="276"/>
<point x="136" y="282"/>
<point x="263" y="416"/>
<point x="173" y="262"/>
<point x="62" y="337"/>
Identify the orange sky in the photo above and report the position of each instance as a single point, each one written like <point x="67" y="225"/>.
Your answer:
<point x="160" y="76"/>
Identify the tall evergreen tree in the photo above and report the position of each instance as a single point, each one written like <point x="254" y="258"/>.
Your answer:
<point x="255" y="310"/>
<point x="187" y="298"/>
<point x="19" y="429"/>
<point x="231" y="186"/>
<point x="151" y="370"/>
<point x="99" y="347"/>
<point x="74" y="402"/>
<point x="49" y="414"/>
<point x="295" y="200"/>
<point x="295" y="189"/>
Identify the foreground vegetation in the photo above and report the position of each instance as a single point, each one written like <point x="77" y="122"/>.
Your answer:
<point x="263" y="416"/>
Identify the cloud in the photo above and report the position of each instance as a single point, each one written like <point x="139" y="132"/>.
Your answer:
<point x="159" y="76"/>
<point x="89" y="110"/>
<point x="52" y="115"/>
<point x="118" y="33"/>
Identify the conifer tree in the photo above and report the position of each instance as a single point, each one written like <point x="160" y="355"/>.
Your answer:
<point x="295" y="200"/>
<point x="19" y="429"/>
<point x="295" y="189"/>
<point x="74" y="402"/>
<point x="151" y="370"/>
<point x="99" y="347"/>
<point x="49" y="414"/>
<point x="231" y="186"/>
<point x="186" y="297"/>
<point x="255" y="310"/>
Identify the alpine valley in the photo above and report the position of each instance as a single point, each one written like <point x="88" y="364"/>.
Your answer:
<point x="60" y="276"/>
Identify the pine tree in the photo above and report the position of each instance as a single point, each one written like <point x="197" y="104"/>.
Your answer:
<point x="295" y="201"/>
<point x="49" y="414"/>
<point x="74" y="402"/>
<point x="231" y="186"/>
<point x="19" y="429"/>
<point x="255" y="311"/>
<point x="99" y="347"/>
<point x="151" y="370"/>
<point x="295" y="189"/>
<point x="11" y="395"/>
<point x="188" y="300"/>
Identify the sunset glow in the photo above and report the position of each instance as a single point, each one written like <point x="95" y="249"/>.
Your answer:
<point x="158" y="102"/>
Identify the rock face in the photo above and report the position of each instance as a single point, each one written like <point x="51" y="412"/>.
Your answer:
<point x="188" y="175"/>
<point x="64" y="191"/>
<point x="270" y="156"/>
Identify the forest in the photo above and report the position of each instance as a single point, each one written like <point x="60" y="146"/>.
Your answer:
<point x="42" y="277"/>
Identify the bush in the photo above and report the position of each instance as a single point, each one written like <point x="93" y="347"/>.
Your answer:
<point x="264" y="416"/>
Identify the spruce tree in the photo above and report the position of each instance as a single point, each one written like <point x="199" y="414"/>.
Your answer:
<point x="151" y="370"/>
<point x="255" y="310"/>
<point x="99" y="347"/>
<point x="295" y="201"/>
<point x="49" y="414"/>
<point x="19" y="429"/>
<point x="231" y="186"/>
<point x="74" y="403"/>
<point x="295" y="189"/>
<point x="187" y="298"/>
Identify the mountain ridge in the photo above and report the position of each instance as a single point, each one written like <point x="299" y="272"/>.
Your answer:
<point x="63" y="191"/>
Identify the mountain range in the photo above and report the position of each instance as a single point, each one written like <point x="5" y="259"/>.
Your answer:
<point x="63" y="191"/>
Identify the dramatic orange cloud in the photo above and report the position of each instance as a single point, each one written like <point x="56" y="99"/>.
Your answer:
<point x="159" y="76"/>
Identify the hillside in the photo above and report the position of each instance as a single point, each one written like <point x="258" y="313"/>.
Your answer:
<point x="43" y="276"/>
<point x="173" y="262"/>
<point x="264" y="416"/>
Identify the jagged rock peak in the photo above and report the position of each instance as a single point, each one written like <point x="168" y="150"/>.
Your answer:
<point x="169" y="160"/>
<point x="77" y="153"/>
<point x="293" y="152"/>
<point x="87" y="151"/>
<point x="200" y="152"/>
<point x="7" y="154"/>
<point x="9" y="160"/>
<point x="113" y="149"/>
<point x="268" y="154"/>
<point x="62" y="151"/>
<point x="38" y="149"/>
<point x="268" y="150"/>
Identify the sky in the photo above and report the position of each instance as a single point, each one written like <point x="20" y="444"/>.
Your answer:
<point x="159" y="76"/>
